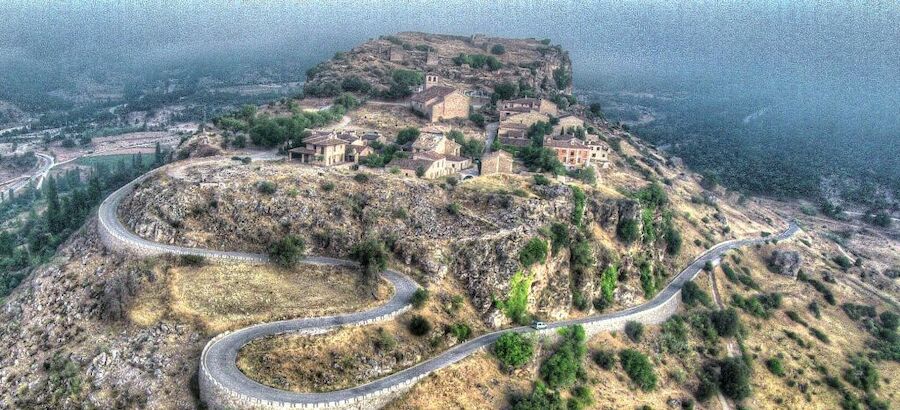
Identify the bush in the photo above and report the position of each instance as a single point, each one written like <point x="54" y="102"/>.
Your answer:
<point x="419" y="326"/>
<point x="578" y="205"/>
<point x="540" y="399"/>
<point x="726" y="322"/>
<point x="842" y="261"/>
<point x="540" y="179"/>
<point x="561" y="369"/>
<point x="477" y="119"/>
<point x="634" y="330"/>
<point x="407" y="135"/>
<point x="461" y="331"/>
<point x="774" y="365"/>
<point x="889" y="320"/>
<point x="513" y="349"/>
<point x="628" y="230"/>
<point x="606" y="359"/>
<point x="288" y="251"/>
<point x="498" y="49"/>
<point x="516" y="303"/>
<point x="862" y="374"/>
<point x="371" y="256"/>
<point x="361" y="178"/>
<point x="691" y="294"/>
<point x="735" y="378"/>
<point x="419" y="297"/>
<point x="534" y="251"/>
<point x="191" y="260"/>
<point x="266" y="187"/>
<point x="638" y="368"/>
<point x="453" y="208"/>
<point x="384" y="341"/>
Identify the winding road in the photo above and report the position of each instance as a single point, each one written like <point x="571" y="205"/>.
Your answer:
<point x="218" y="361"/>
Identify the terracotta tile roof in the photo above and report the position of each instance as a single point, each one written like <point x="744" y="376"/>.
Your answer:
<point x="331" y="141"/>
<point x="456" y="158"/>
<point x="302" y="150"/>
<point x="429" y="155"/>
<point x="429" y="94"/>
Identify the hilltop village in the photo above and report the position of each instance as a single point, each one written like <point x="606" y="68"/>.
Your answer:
<point x="466" y="114"/>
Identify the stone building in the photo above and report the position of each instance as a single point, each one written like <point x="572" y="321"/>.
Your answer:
<point x="524" y="105"/>
<point x="438" y="103"/>
<point x="430" y="168"/>
<point x="513" y="134"/>
<point x="573" y="152"/>
<point x="434" y="140"/>
<point x="497" y="162"/>
<point x="331" y="148"/>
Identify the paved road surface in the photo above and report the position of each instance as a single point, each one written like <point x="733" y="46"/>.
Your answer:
<point x="221" y="354"/>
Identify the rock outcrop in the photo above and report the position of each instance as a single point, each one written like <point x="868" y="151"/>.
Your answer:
<point x="786" y="262"/>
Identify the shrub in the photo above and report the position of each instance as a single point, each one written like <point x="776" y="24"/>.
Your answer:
<point x="726" y="322"/>
<point x="628" y="230"/>
<point x="563" y="366"/>
<point x="606" y="359"/>
<point x="673" y="338"/>
<point x="540" y="399"/>
<point x="461" y="331"/>
<point x="818" y="334"/>
<point x="691" y="294"/>
<point x="814" y="309"/>
<point x="327" y="186"/>
<point x="774" y="365"/>
<point x="857" y="312"/>
<point x="648" y="281"/>
<point x="889" y="320"/>
<point x="534" y="251"/>
<point x="453" y="208"/>
<point x="419" y="297"/>
<point x="498" y="49"/>
<point x="384" y="341"/>
<point x="371" y="256"/>
<point x="407" y="135"/>
<point x="559" y="236"/>
<point x="540" y="179"/>
<point x="578" y="207"/>
<point x="516" y="303"/>
<point x="634" y="330"/>
<point x="361" y="177"/>
<point x="266" y="187"/>
<point x="580" y="256"/>
<point x="288" y="251"/>
<point x="734" y="378"/>
<point x="419" y="325"/>
<point x="842" y="261"/>
<point x="638" y="368"/>
<point x="191" y="260"/>
<point x="477" y="119"/>
<point x="514" y="349"/>
<point x="862" y="374"/>
<point x="708" y="266"/>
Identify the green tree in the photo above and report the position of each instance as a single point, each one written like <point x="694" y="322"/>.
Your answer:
<point x="53" y="214"/>
<point x="371" y="256"/>
<point x="734" y="378"/>
<point x="628" y="230"/>
<point x="561" y="369"/>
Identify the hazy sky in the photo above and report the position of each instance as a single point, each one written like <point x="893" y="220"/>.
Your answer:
<point x="804" y="48"/>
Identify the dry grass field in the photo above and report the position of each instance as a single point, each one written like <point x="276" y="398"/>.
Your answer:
<point x="228" y="296"/>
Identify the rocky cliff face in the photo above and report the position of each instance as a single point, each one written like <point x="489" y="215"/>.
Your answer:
<point x="218" y="205"/>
